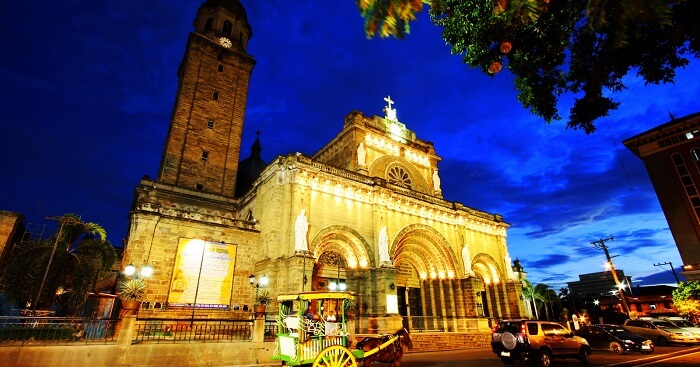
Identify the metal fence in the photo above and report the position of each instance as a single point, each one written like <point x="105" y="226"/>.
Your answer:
<point x="179" y="330"/>
<point x="270" y="330"/>
<point x="27" y="330"/>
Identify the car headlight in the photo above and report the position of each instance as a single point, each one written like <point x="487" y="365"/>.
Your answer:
<point x="647" y="342"/>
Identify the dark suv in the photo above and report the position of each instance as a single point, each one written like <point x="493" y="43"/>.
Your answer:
<point x="539" y="341"/>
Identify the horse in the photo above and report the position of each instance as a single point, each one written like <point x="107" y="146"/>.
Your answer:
<point x="392" y="353"/>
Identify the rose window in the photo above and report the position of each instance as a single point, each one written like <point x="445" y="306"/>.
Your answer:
<point x="398" y="176"/>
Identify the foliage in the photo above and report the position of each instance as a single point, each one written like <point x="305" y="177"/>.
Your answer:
<point x="132" y="289"/>
<point x="529" y="294"/>
<point x="77" y="253"/>
<point x="554" y="47"/>
<point x="564" y="315"/>
<point x="350" y="308"/>
<point x="686" y="299"/>
<point x="389" y="17"/>
<point x="263" y="297"/>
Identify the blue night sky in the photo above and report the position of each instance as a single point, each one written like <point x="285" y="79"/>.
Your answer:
<point x="87" y="89"/>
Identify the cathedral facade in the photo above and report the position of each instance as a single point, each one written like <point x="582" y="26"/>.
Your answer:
<point x="365" y="213"/>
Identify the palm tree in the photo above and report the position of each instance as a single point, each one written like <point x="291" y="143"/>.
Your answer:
<point x="529" y="294"/>
<point x="64" y="266"/>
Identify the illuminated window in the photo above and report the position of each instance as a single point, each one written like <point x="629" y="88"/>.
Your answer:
<point x="398" y="176"/>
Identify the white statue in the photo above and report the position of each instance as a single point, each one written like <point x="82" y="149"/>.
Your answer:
<point x="361" y="155"/>
<point x="509" y="267"/>
<point x="436" y="180"/>
<point x="300" y="230"/>
<point x="390" y="112"/>
<point x="467" y="259"/>
<point x="383" y="246"/>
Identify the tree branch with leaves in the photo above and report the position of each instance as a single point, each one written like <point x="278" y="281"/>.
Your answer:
<point x="582" y="47"/>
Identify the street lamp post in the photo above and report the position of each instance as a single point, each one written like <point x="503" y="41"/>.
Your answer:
<point x="263" y="281"/>
<point x="337" y="285"/>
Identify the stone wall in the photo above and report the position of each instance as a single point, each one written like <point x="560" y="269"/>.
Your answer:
<point x="141" y="355"/>
<point x="198" y="354"/>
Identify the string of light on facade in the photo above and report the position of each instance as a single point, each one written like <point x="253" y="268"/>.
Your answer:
<point x="383" y="144"/>
<point x="418" y="158"/>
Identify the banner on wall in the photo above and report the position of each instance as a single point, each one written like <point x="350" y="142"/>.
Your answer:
<point x="203" y="275"/>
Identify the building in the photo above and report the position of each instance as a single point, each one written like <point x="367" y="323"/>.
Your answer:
<point x="671" y="154"/>
<point x="365" y="212"/>
<point x="11" y="231"/>
<point x="650" y="301"/>
<point x="597" y="284"/>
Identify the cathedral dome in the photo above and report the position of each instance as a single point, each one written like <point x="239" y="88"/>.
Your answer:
<point x="233" y="6"/>
<point x="249" y="169"/>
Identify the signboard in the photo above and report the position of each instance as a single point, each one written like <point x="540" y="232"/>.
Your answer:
<point x="203" y="275"/>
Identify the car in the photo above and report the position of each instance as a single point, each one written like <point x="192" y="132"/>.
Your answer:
<point x="540" y="341"/>
<point x="615" y="338"/>
<point x="662" y="332"/>
<point x="683" y="324"/>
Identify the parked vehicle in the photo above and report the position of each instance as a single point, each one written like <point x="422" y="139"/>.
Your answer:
<point x="684" y="324"/>
<point x="663" y="332"/>
<point x="615" y="338"/>
<point x="540" y="341"/>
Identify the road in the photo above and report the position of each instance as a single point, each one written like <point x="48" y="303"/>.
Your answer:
<point x="674" y="356"/>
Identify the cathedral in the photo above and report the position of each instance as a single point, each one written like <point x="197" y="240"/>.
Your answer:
<point x="364" y="214"/>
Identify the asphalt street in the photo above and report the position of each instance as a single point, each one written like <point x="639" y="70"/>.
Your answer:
<point x="673" y="356"/>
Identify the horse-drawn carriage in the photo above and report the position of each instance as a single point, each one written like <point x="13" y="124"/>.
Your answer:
<point x="312" y="329"/>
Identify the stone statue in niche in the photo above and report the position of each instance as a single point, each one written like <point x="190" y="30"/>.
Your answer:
<point x="436" y="180"/>
<point x="383" y="246"/>
<point x="301" y="228"/>
<point x="467" y="259"/>
<point x="361" y="155"/>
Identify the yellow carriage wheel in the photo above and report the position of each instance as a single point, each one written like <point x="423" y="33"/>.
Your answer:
<point x="335" y="356"/>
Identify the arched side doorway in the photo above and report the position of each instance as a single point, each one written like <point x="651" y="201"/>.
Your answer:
<point x="339" y="252"/>
<point x="490" y="292"/>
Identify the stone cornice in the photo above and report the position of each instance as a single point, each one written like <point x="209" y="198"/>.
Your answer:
<point x="169" y="201"/>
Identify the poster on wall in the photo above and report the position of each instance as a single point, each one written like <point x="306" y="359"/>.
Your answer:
<point x="203" y="275"/>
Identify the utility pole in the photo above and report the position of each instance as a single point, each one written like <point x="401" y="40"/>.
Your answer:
<point x="672" y="269"/>
<point x="600" y="245"/>
<point x="53" y="252"/>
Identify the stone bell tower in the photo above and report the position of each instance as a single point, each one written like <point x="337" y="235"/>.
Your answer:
<point x="192" y="205"/>
<point x="203" y="144"/>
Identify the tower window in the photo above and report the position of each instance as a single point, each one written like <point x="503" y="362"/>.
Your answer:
<point x="207" y="26"/>
<point x="199" y="187"/>
<point x="227" y="27"/>
<point x="215" y="95"/>
<point x="210" y="124"/>
<point x="205" y="155"/>
<point x="220" y="68"/>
